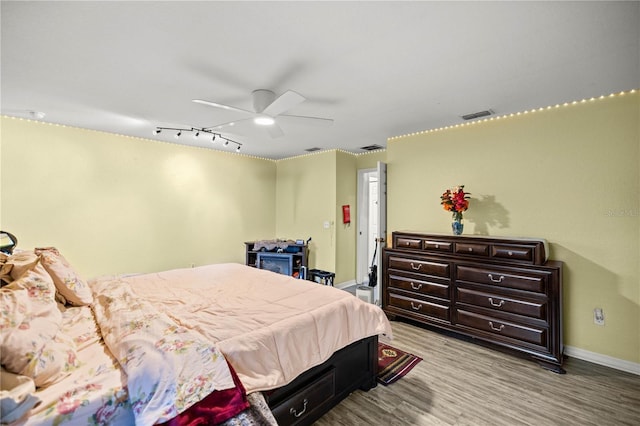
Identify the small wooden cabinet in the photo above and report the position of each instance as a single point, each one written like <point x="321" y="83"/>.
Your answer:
<point x="500" y="290"/>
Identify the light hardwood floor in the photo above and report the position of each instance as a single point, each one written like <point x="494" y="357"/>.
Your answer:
<point x="462" y="383"/>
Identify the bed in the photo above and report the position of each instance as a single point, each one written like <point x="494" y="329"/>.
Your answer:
<point x="217" y="344"/>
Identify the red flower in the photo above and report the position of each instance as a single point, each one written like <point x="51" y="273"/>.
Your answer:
<point x="455" y="199"/>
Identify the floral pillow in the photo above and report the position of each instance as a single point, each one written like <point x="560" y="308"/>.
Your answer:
<point x="31" y="343"/>
<point x="21" y="261"/>
<point x="69" y="284"/>
<point x="5" y="269"/>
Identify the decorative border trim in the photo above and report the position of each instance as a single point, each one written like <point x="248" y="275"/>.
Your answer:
<point x="607" y="361"/>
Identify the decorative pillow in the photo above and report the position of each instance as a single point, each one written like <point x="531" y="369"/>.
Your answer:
<point x="5" y="269"/>
<point x="22" y="261"/>
<point x="70" y="285"/>
<point x="30" y="323"/>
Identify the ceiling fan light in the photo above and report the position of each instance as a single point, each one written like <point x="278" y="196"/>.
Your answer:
<point x="264" y="120"/>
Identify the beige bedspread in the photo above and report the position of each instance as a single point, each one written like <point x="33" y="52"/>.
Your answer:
<point x="270" y="327"/>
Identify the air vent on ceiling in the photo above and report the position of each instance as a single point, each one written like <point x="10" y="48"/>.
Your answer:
<point x="313" y="149"/>
<point x="478" y="114"/>
<point x="371" y="147"/>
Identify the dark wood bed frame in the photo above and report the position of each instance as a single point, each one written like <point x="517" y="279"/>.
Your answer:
<point x="319" y="389"/>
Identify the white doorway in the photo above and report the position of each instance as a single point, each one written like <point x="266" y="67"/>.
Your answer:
<point x="371" y="223"/>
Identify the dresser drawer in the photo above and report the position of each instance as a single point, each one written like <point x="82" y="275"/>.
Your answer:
<point x="428" y="288"/>
<point x="408" y="243"/>
<point x="419" y="306"/>
<point x="438" y="246"/>
<point x="528" y="281"/>
<point x="296" y="409"/>
<point x="530" y="308"/>
<point x="530" y="334"/>
<point x="475" y="249"/>
<point x="439" y="269"/>
<point x="515" y="252"/>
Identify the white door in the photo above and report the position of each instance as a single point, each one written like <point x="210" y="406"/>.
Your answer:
<point x="382" y="226"/>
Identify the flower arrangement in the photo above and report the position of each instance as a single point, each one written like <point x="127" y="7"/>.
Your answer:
<point x="455" y="200"/>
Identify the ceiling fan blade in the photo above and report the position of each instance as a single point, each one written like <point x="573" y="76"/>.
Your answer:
<point x="223" y="106"/>
<point x="275" y="131"/>
<point x="316" y="121"/>
<point x="227" y="124"/>
<point x="283" y="103"/>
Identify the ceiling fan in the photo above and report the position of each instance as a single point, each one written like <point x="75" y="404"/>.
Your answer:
<point x="268" y="109"/>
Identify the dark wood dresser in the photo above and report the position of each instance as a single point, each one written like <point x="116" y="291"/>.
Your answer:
<point x="499" y="290"/>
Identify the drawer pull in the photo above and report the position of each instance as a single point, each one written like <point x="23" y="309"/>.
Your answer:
<point x="499" y="280"/>
<point x="416" y="287"/>
<point x="407" y="243"/>
<point x="416" y="308"/>
<point x="510" y="253"/>
<point x="470" y="249"/>
<point x="304" y="408"/>
<point x="496" y="328"/>
<point x="497" y="305"/>
<point x="416" y="268"/>
<point x="437" y="245"/>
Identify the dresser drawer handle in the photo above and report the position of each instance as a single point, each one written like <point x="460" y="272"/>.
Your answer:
<point x="497" y="305"/>
<point x="416" y="268"/>
<point x="496" y="328"/>
<point x="510" y="253"/>
<point x="437" y="245"/>
<point x="416" y="287"/>
<point x="416" y="308"/>
<point x="470" y="249"/>
<point x="304" y="408"/>
<point x="499" y="280"/>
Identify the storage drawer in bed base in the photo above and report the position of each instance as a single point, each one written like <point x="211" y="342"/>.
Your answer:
<point x="353" y="367"/>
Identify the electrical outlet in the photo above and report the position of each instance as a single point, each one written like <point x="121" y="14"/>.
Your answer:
<point x="193" y="265"/>
<point x="598" y="316"/>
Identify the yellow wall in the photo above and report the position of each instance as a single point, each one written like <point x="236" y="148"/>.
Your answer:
<point x="567" y="174"/>
<point x="305" y="199"/>
<point x="346" y="194"/>
<point x="369" y="160"/>
<point x="114" y="204"/>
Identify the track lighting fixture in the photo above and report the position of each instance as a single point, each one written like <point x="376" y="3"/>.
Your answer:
<point x="196" y="132"/>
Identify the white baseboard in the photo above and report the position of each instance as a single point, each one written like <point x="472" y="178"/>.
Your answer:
<point x="345" y="284"/>
<point x="607" y="361"/>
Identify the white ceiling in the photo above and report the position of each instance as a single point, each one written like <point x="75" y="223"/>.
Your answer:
<point x="379" y="69"/>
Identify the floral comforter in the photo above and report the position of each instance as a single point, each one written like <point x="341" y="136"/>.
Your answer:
<point x="111" y="385"/>
<point x="168" y="367"/>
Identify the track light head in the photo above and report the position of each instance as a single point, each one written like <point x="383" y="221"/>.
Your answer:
<point x="238" y="148"/>
<point x="226" y="143"/>
<point x="213" y="138"/>
<point x="196" y="134"/>
<point x="178" y="134"/>
<point x="157" y="131"/>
